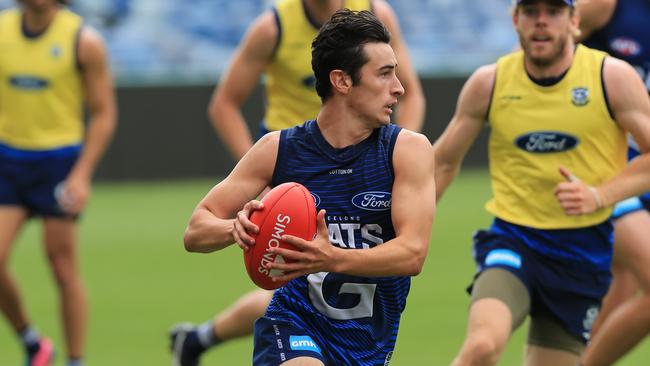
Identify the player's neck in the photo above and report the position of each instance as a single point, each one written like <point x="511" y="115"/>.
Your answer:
<point x="340" y="128"/>
<point x="37" y="21"/>
<point x="553" y="69"/>
<point x="320" y="11"/>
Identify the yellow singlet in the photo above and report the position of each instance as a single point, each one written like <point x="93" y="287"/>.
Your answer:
<point x="536" y="129"/>
<point x="290" y="93"/>
<point x="41" y="97"/>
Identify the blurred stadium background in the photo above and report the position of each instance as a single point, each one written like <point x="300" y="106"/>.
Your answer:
<point x="166" y="56"/>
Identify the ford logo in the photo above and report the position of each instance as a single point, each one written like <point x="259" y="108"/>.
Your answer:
<point x="28" y="82"/>
<point x="372" y="201"/>
<point x="316" y="198"/>
<point x="546" y="142"/>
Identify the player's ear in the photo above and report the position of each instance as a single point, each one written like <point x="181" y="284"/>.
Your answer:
<point x="341" y="81"/>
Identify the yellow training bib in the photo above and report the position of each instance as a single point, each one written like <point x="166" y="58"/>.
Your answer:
<point x="536" y="129"/>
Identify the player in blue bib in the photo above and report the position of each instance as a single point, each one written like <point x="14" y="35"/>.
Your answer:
<point x="374" y="188"/>
<point x="621" y="29"/>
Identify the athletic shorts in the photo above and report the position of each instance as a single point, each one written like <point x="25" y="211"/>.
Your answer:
<point x="30" y="179"/>
<point x="568" y="291"/>
<point x="277" y="341"/>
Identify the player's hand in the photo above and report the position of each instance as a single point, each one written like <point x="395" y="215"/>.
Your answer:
<point x="72" y="194"/>
<point x="575" y="196"/>
<point x="243" y="227"/>
<point x="309" y="256"/>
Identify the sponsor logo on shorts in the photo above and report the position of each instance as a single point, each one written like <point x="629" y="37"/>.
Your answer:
<point x="503" y="257"/>
<point x="543" y="142"/>
<point x="388" y="357"/>
<point x="303" y="343"/>
<point x="590" y="317"/>
<point x="372" y="201"/>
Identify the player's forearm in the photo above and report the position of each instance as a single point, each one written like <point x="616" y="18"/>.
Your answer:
<point x="98" y="136"/>
<point x="445" y="174"/>
<point x="397" y="257"/>
<point x="411" y="110"/>
<point x="633" y="181"/>
<point x="206" y="233"/>
<point x="232" y="129"/>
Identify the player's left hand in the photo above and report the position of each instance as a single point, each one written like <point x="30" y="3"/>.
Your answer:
<point x="310" y="257"/>
<point x="575" y="196"/>
<point x="73" y="194"/>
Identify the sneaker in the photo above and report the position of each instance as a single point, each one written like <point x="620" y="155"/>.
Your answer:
<point x="185" y="346"/>
<point x="43" y="356"/>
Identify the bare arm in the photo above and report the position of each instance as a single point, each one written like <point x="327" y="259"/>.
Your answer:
<point x="630" y="105"/>
<point x="100" y="99"/>
<point x="411" y="107"/>
<point x="211" y="224"/>
<point x="236" y="85"/>
<point x="465" y="125"/>
<point x="413" y="208"/>
<point x="594" y="14"/>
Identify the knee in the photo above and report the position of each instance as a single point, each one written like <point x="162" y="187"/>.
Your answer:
<point x="481" y="350"/>
<point x="64" y="268"/>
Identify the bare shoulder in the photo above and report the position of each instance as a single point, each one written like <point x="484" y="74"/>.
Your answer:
<point x="263" y="32"/>
<point x="268" y="143"/>
<point x="615" y="67"/>
<point x="624" y="88"/>
<point x="385" y="13"/>
<point x="92" y="48"/>
<point x="619" y="77"/>
<point x="478" y="88"/>
<point x="413" y="144"/>
<point x="483" y="77"/>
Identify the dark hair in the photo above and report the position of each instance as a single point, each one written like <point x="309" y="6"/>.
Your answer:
<point x="339" y="46"/>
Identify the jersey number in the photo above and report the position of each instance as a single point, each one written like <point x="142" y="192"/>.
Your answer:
<point x="363" y="309"/>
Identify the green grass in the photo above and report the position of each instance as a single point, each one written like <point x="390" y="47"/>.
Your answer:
<point x="141" y="281"/>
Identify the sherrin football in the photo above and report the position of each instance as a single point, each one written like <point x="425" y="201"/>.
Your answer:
<point x="289" y="209"/>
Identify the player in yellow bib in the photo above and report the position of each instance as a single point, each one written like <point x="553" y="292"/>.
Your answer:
<point x="49" y="65"/>
<point x="558" y="115"/>
<point x="278" y="46"/>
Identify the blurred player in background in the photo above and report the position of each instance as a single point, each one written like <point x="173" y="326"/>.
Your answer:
<point x="622" y="29"/>
<point x="554" y="109"/>
<point x="278" y="45"/>
<point x="355" y="70"/>
<point x="50" y="64"/>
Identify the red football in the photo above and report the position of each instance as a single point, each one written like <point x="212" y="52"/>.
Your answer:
<point x="289" y="209"/>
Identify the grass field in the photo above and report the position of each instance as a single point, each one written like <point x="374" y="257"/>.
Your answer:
<point x="141" y="281"/>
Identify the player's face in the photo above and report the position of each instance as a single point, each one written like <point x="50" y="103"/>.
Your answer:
<point x="376" y="94"/>
<point x="544" y="29"/>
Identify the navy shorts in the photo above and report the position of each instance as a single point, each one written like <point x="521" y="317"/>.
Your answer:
<point x="277" y="341"/>
<point x="30" y="180"/>
<point x="568" y="291"/>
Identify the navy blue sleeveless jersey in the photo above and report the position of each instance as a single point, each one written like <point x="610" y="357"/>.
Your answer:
<point x="627" y="36"/>
<point x="355" y="318"/>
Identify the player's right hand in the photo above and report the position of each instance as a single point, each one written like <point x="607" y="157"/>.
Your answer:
<point x="243" y="227"/>
<point x="575" y="196"/>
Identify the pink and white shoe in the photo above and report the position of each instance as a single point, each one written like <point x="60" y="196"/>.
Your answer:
<point x="44" y="356"/>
